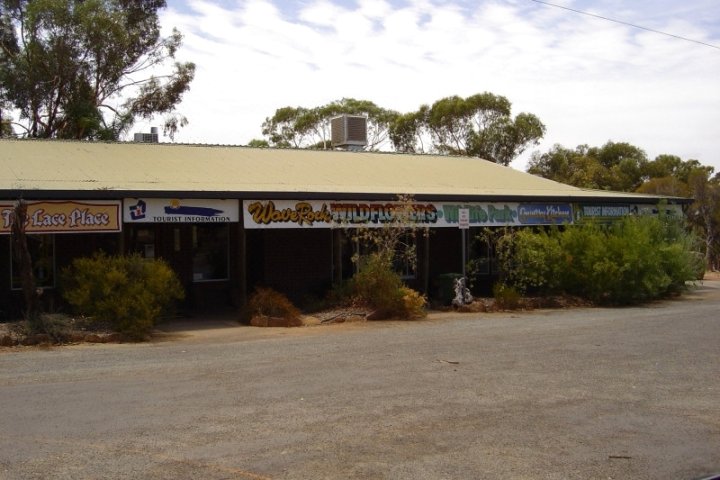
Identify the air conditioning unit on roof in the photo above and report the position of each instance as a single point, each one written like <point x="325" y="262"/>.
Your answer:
<point x="151" y="137"/>
<point x="349" y="131"/>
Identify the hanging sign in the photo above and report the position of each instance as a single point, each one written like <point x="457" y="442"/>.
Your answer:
<point x="175" y="210"/>
<point x="65" y="216"/>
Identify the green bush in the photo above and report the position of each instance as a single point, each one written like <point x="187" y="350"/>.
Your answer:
<point x="378" y="286"/>
<point x="532" y="259"/>
<point x="629" y="261"/>
<point x="506" y="297"/>
<point x="128" y="291"/>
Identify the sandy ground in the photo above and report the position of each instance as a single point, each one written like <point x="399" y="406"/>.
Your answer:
<point x="587" y="393"/>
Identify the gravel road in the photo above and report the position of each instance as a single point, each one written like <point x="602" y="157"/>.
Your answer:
<point x="631" y="393"/>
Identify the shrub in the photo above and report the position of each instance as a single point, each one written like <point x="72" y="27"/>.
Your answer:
<point x="506" y="297"/>
<point x="268" y="303"/>
<point x="413" y="304"/>
<point x="629" y="261"/>
<point x="532" y="260"/>
<point x="128" y="291"/>
<point x="378" y="286"/>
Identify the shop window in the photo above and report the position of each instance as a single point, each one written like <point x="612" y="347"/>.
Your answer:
<point x="405" y="261"/>
<point x="480" y="256"/>
<point x="210" y="247"/>
<point x="143" y="240"/>
<point x="42" y="252"/>
<point x="483" y="256"/>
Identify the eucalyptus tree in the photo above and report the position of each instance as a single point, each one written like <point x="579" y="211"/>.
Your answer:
<point x="87" y="69"/>
<point x="409" y="132"/>
<point x="577" y="167"/>
<point x="480" y="126"/>
<point x="302" y="127"/>
<point x="615" y="166"/>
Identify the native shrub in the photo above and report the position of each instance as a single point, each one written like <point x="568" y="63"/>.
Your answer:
<point x="128" y="291"/>
<point x="378" y="286"/>
<point x="532" y="260"/>
<point x="628" y="261"/>
<point x="506" y="296"/>
<point x="270" y="304"/>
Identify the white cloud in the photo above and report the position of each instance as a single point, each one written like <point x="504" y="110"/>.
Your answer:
<point x="589" y="80"/>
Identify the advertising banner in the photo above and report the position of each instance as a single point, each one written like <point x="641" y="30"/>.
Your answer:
<point x="175" y="210"/>
<point x="349" y="214"/>
<point x="65" y="216"/>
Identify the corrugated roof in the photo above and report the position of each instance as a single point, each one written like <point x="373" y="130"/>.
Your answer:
<point x="33" y="166"/>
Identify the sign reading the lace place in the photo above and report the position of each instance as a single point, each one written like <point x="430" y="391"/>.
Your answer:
<point x="66" y="216"/>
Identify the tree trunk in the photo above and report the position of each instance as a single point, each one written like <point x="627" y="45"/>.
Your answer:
<point x="24" y="261"/>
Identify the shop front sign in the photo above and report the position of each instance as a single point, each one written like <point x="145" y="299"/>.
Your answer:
<point x="351" y="214"/>
<point x="544" y="214"/>
<point x="66" y="216"/>
<point x="190" y="210"/>
<point x="610" y="212"/>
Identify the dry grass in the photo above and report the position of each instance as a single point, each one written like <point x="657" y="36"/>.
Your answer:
<point x="712" y="276"/>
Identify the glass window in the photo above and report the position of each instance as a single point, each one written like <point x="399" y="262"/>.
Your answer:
<point x="143" y="242"/>
<point x="42" y="252"/>
<point x="210" y="247"/>
<point x="405" y="261"/>
<point x="481" y="255"/>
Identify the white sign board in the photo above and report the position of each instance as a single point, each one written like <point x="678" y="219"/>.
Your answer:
<point x="179" y="210"/>
<point x="464" y="218"/>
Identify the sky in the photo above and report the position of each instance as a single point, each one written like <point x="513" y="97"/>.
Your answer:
<point x="588" y="80"/>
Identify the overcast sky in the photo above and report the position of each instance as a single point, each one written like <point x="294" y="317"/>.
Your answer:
<point x="589" y="80"/>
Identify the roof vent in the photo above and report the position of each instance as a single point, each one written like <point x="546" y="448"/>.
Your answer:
<point x="151" y="137"/>
<point x="349" y="131"/>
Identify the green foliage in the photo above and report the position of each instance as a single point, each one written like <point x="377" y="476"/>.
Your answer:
<point x="408" y="131"/>
<point x="506" y="297"/>
<point x="377" y="285"/>
<point x="394" y="241"/>
<point x="614" y="166"/>
<point x="477" y="126"/>
<point x="267" y="302"/>
<point x="258" y="143"/>
<point x="74" y="69"/>
<point x="534" y="257"/>
<point x="128" y="291"/>
<point x="630" y="261"/>
<point x="302" y="127"/>
<point x="386" y="250"/>
<point x="624" y="167"/>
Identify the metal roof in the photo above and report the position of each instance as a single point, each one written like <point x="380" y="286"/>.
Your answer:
<point x="61" y="169"/>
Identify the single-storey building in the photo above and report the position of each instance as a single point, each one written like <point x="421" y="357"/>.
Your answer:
<point x="228" y="218"/>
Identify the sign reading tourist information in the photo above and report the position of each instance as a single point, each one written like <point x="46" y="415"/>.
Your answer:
<point x="349" y="214"/>
<point x="163" y="210"/>
<point x="67" y="216"/>
<point x="614" y="211"/>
